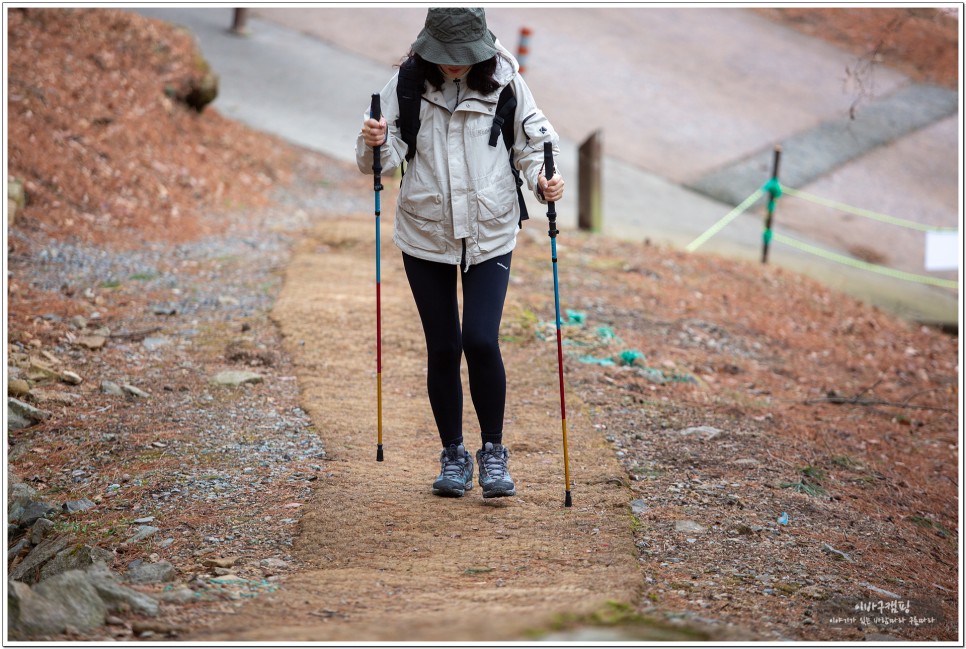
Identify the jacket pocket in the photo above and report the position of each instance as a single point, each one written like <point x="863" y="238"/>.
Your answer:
<point x="422" y="204"/>
<point x="497" y="199"/>
<point x="497" y="218"/>
<point x="419" y="221"/>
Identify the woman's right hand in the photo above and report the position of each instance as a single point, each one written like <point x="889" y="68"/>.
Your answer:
<point x="373" y="132"/>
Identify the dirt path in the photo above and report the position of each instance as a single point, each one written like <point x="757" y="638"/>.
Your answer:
<point x="382" y="546"/>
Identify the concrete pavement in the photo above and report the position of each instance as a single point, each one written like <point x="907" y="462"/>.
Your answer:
<point x="683" y="96"/>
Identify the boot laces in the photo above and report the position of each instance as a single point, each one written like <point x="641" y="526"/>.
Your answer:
<point x="453" y="463"/>
<point x="495" y="461"/>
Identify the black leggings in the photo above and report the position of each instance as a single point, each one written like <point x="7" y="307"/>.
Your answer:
<point x="484" y="290"/>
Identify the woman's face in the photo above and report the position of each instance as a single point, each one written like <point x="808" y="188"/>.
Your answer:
<point x="454" y="71"/>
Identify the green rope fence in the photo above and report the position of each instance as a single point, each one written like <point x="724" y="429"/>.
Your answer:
<point x="858" y="211"/>
<point x="775" y="190"/>
<point x="725" y="220"/>
<point x="864" y="265"/>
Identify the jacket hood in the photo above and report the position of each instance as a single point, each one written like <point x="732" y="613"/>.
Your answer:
<point x="507" y="66"/>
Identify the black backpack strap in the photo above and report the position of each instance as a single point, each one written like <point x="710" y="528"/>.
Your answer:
<point x="409" y="92"/>
<point x="506" y="106"/>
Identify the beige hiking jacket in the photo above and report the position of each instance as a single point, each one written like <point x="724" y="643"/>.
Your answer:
<point x="458" y="201"/>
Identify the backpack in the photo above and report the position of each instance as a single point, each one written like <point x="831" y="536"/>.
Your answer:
<point x="409" y="92"/>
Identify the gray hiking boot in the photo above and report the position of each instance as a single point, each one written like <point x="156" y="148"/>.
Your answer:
<point x="494" y="474"/>
<point x="456" y="474"/>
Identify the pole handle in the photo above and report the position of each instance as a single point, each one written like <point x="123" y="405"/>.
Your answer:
<point x="548" y="160"/>
<point x="548" y="172"/>
<point x="375" y="112"/>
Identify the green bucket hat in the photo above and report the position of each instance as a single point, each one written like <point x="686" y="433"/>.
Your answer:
<point x="455" y="36"/>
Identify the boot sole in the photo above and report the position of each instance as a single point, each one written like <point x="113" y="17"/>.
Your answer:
<point x="499" y="493"/>
<point x="450" y="493"/>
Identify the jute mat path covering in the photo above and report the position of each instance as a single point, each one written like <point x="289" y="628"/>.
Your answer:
<point x="391" y="561"/>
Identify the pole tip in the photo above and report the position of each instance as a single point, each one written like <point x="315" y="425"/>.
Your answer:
<point x="379" y="453"/>
<point x="567" y="501"/>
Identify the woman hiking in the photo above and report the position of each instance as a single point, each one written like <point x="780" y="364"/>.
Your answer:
<point x="457" y="215"/>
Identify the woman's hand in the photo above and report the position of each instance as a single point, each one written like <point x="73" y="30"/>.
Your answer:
<point x="373" y="132"/>
<point x="552" y="190"/>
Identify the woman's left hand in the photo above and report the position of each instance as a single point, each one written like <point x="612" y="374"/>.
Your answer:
<point x="552" y="189"/>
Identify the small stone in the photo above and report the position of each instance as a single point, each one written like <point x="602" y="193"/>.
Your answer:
<point x="179" y="595"/>
<point x="146" y="629"/>
<point x="638" y="507"/>
<point x="91" y="342"/>
<point x="26" y="511"/>
<point x="164" y="308"/>
<point x="838" y="554"/>
<point x="71" y="378"/>
<point x="40" y="529"/>
<point x="746" y="461"/>
<point x="73" y="506"/>
<point x="109" y="387"/>
<point x="144" y="521"/>
<point x="55" y="397"/>
<point x="17" y="388"/>
<point x="688" y="526"/>
<point x="134" y="392"/>
<point x="155" y="343"/>
<point x="880" y="591"/>
<point x="706" y="432"/>
<point x="814" y="592"/>
<point x="236" y="377"/>
<point x="78" y="557"/>
<point x="220" y="562"/>
<point x="227" y="300"/>
<point x="143" y="532"/>
<point x="19" y="547"/>
<point x="273" y="565"/>
<point x="24" y="412"/>
<point x="39" y="372"/>
<point x="78" y="322"/>
<point x="140" y="572"/>
<point x="28" y="570"/>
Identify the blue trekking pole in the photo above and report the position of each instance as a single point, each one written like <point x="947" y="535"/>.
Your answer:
<point x="375" y="113"/>
<point x="552" y="218"/>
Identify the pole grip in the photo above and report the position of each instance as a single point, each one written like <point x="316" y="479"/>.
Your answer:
<point x="548" y="160"/>
<point x="375" y="112"/>
<point x="548" y="172"/>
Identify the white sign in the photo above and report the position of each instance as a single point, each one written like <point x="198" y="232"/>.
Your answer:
<point x="942" y="250"/>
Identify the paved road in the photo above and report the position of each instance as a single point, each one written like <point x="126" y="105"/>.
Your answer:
<point x="690" y="102"/>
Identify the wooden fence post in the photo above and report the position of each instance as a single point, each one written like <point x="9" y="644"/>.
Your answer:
<point x="589" y="199"/>
<point x="238" y="22"/>
<point x="774" y="192"/>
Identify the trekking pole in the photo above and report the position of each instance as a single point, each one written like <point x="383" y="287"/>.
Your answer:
<point x="375" y="113"/>
<point x="552" y="218"/>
